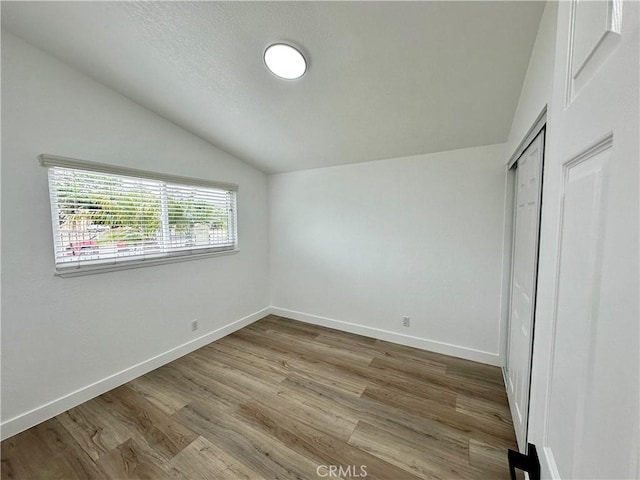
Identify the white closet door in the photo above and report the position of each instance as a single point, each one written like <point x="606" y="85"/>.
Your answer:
<point x="523" y="283"/>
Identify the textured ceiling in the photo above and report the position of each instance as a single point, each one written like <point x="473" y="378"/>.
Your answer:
<point x="385" y="79"/>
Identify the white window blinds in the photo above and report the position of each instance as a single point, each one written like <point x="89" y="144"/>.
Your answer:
<point x="101" y="218"/>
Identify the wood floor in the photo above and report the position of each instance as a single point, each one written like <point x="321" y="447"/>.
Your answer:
<point x="286" y="400"/>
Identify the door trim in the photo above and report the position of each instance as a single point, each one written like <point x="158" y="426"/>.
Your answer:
<point x="539" y="123"/>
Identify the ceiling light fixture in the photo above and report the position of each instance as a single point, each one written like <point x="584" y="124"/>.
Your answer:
<point x="285" y="61"/>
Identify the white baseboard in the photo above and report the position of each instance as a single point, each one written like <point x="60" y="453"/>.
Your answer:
<point x="33" y="417"/>
<point x="408" y="340"/>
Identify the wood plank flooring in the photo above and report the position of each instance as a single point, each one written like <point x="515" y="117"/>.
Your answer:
<point x="281" y="399"/>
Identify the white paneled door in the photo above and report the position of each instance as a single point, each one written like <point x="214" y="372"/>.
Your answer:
<point x="585" y="392"/>
<point x="523" y="283"/>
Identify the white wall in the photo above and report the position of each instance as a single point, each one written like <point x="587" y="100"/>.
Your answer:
<point x="538" y="82"/>
<point x="60" y="336"/>
<point x="421" y="236"/>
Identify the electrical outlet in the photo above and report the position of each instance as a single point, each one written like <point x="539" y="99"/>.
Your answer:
<point x="406" y="322"/>
<point x="194" y="325"/>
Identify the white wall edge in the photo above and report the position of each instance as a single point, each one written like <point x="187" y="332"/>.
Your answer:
<point x="38" y="415"/>
<point x="508" y="233"/>
<point x="408" y="340"/>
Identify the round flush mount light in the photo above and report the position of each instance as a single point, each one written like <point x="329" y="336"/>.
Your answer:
<point x="285" y="61"/>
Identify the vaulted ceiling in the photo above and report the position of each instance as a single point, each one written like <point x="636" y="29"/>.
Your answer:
<point x="385" y="79"/>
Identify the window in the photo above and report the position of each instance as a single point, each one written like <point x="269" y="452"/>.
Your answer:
<point x="108" y="217"/>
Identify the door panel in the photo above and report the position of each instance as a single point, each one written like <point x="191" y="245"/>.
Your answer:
<point x="576" y="319"/>
<point x="595" y="28"/>
<point x="523" y="283"/>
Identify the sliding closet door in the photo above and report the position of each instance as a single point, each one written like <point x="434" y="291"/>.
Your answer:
<point x="523" y="283"/>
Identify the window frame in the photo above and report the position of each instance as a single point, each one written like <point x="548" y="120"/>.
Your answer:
<point x="126" y="263"/>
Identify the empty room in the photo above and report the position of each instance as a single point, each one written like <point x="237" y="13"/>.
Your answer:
<point x="320" y="240"/>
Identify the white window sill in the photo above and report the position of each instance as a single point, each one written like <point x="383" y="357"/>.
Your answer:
<point x="76" y="271"/>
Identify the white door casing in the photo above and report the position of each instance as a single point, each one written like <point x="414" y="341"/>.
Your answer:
<point x="585" y="400"/>
<point x="523" y="283"/>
